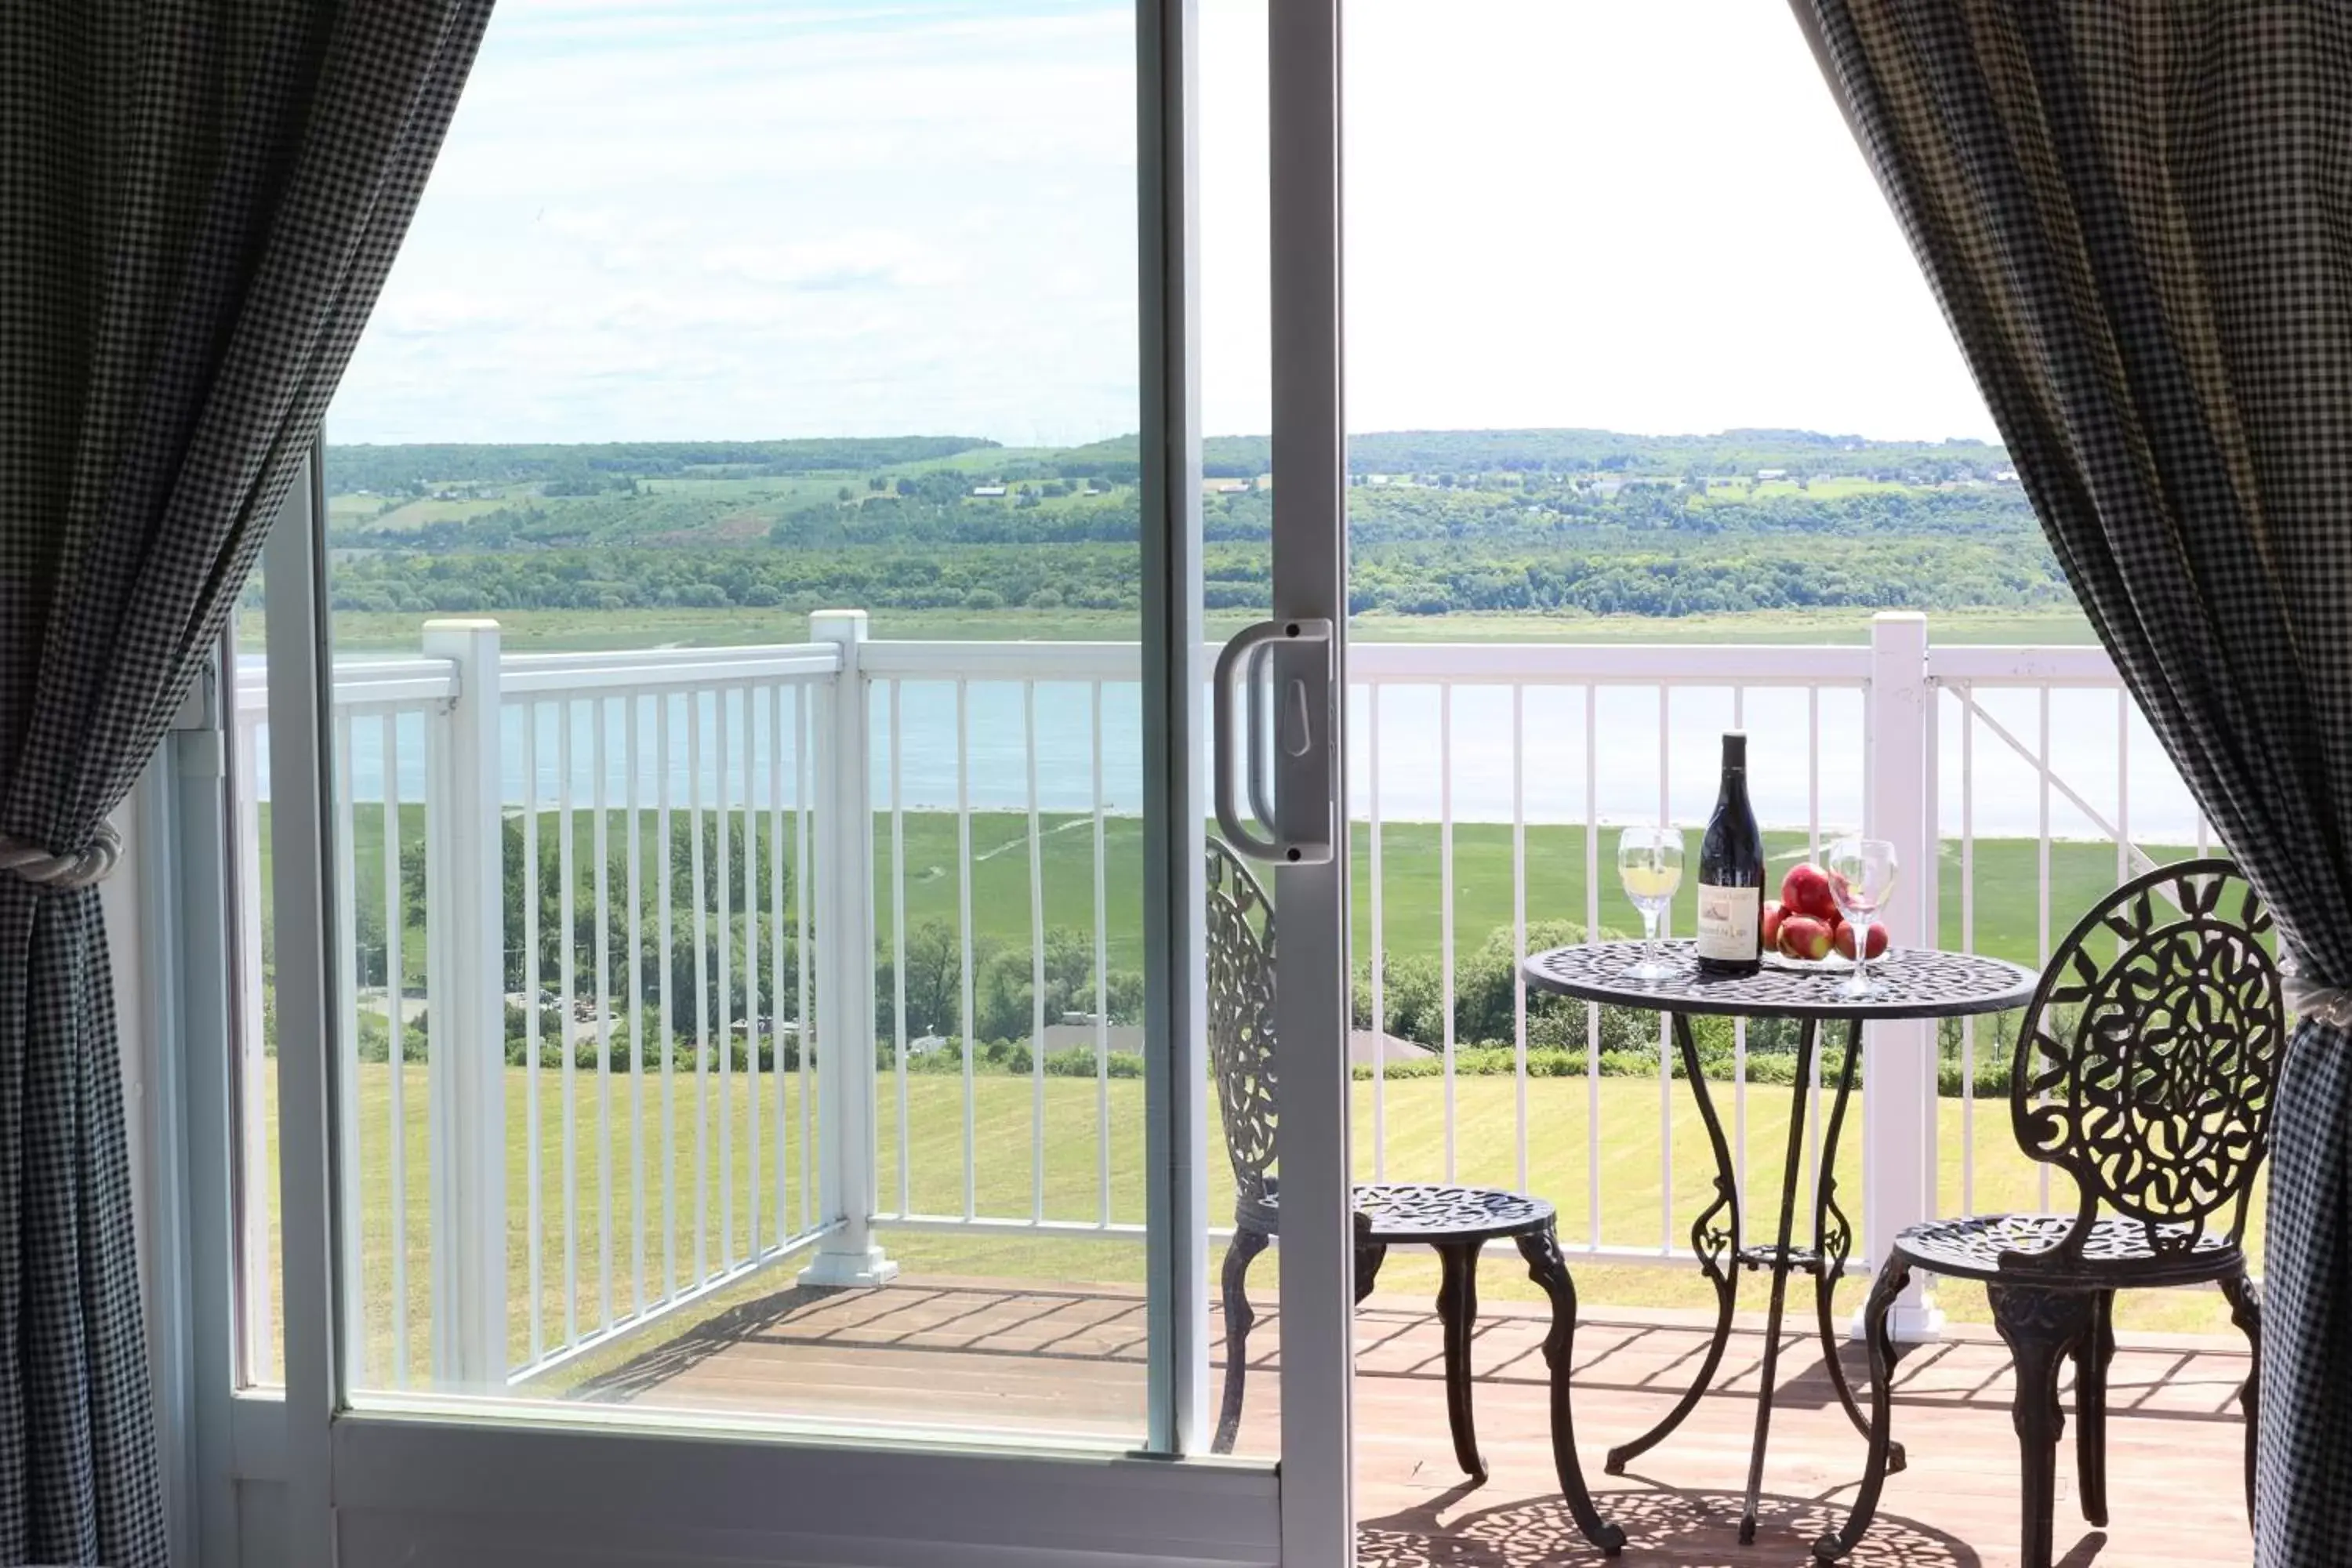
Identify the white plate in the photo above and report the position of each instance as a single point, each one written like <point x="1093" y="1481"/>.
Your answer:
<point x="1830" y="964"/>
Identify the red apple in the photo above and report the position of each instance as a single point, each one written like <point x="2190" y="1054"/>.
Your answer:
<point x="1802" y="936"/>
<point x="1805" y="890"/>
<point x="1769" y="931"/>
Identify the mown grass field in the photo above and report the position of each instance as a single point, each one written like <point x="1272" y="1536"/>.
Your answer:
<point x="2007" y="917"/>
<point x="1633" y="1164"/>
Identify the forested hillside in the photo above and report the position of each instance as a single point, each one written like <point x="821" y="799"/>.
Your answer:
<point x="1441" y="522"/>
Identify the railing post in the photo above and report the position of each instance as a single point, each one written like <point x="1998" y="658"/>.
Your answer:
<point x="843" y="972"/>
<point x="465" y="986"/>
<point x="1898" y="1123"/>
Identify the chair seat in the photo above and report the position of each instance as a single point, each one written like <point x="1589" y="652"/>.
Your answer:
<point x="2117" y="1255"/>
<point x="1400" y="1213"/>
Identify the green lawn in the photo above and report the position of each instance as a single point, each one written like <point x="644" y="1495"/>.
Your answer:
<point x="2006" y="920"/>
<point x="1412" y="1113"/>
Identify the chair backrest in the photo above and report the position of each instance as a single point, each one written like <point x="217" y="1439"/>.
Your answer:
<point x="1240" y="1019"/>
<point x="2150" y="1053"/>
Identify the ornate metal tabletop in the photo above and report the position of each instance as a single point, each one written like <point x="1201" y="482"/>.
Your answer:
<point x="1913" y="983"/>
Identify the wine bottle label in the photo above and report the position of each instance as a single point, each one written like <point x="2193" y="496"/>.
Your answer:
<point x="1730" y="923"/>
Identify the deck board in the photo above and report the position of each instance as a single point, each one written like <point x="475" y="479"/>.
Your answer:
<point x="986" y="1352"/>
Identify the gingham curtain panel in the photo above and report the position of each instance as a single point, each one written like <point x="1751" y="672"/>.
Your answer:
<point x="2138" y="217"/>
<point x="198" y="203"/>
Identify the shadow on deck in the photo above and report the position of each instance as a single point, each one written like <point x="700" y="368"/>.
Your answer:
<point x="1071" y="1360"/>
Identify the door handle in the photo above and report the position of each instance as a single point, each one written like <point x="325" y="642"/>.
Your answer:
<point x="1296" y="822"/>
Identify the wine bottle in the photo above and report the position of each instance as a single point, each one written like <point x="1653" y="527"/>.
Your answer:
<point x="1731" y="874"/>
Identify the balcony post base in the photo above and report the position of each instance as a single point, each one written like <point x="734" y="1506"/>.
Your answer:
<point x="1907" y="1324"/>
<point x="848" y="1271"/>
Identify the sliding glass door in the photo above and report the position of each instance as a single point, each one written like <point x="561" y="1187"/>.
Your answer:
<point x="776" y="1039"/>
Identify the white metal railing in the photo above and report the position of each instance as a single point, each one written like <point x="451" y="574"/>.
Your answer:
<point x="767" y="820"/>
<point x="2059" y="723"/>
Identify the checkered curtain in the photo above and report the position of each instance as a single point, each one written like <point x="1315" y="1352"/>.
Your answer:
<point x="2138" y="217"/>
<point x="198" y="202"/>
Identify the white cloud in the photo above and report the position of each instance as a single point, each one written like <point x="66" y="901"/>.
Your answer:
<point x="757" y="217"/>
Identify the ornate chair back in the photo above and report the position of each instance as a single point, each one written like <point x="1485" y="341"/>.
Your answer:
<point x="1241" y="1027"/>
<point x="2147" y="1059"/>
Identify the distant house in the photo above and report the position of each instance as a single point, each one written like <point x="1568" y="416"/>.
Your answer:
<point x="1376" y="479"/>
<point x="1224" y="487"/>
<point x="988" y="490"/>
<point x="1765" y="476"/>
<point x="2004" y="475"/>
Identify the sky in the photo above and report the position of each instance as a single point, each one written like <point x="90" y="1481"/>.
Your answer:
<point x="730" y="219"/>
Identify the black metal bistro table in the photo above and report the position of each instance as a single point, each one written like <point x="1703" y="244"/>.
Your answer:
<point x="1913" y="982"/>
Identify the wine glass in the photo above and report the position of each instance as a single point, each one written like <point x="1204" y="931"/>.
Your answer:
<point x="1862" y="874"/>
<point x="1650" y="864"/>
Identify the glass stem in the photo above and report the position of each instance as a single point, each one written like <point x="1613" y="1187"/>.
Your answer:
<point x="1649" y="938"/>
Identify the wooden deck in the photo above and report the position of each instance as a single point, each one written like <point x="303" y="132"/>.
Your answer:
<point x="982" y="1352"/>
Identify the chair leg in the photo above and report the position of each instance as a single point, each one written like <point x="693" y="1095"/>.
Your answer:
<point x="1892" y="1275"/>
<point x="1458" y="1310"/>
<point x="1370" y="1255"/>
<point x="2040" y="1327"/>
<point x="2246" y="1311"/>
<point x="2091" y="1358"/>
<point x="1245" y="1245"/>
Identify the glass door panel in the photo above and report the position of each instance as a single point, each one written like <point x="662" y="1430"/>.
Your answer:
<point x="739" y="797"/>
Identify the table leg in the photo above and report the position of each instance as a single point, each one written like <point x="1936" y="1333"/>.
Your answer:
<point x="1833" y="1244"/>
<point x="1714" y="1237"/>
<point x="1779" y="1265"/>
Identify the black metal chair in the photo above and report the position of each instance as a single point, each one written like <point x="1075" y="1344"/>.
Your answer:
<point x="1455" y="1221"/>
<point x="2146" y="1075"/>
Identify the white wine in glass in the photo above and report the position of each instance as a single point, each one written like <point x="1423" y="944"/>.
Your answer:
<point x="1650" y="865"/>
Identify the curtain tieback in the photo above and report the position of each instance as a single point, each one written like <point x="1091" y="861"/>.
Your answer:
<point x="2330" y="1005"/>
<point x="36" y="865"/>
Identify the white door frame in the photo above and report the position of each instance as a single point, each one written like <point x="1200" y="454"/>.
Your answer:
<point x="1312" y="977"/>
<point x="512" y="1484"/>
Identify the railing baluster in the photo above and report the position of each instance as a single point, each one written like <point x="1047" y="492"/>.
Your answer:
<point x="752" y="971"/>
<point x="803" y="734"/>
<point x="634" y="752"/>
<point x="568" y="906"/>
<point x="1102" y="982"/>
<point x="1519" y="935"/>
<point x="701" y="987"/>
<point x="963" y="926"/>
<point x="1739" y="1028"/>
<point x="600" y="795"/>
<point x="2123" y="787"/>
<point x="1968" y="944"/>
<point x="1446" y="901"/>
<point x="533" y="1007"/>
<point x="1380" y="1019"/>
<point x="1591" y="933"/>
<point x="1036" y="961"/>
<point x="1813" y="840"/>
<point x="255" y="1168"/>
<point x="396" y="1047"/>
<point x="1666" y="1047"/>
<point x="2041" y="949"/>
<point x="665" y="981"/>
<point x="774" y="929"/>
<point x="725" y="922"/>
<point x="346" y="1054"/>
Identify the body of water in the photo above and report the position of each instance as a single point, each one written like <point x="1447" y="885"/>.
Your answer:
<point x="1635" y="759"/>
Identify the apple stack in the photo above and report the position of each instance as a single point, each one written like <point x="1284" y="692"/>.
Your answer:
<point x="1805" y="922"/>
